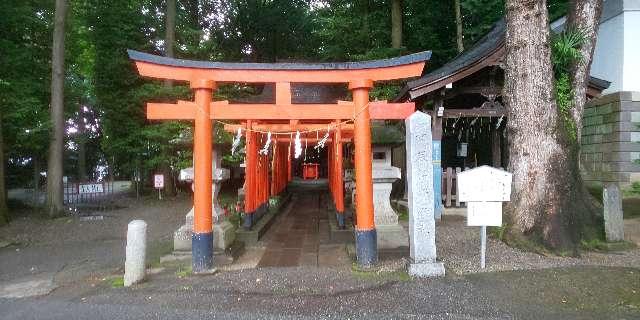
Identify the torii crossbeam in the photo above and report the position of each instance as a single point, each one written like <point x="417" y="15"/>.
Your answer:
<point x="203" y="77"/>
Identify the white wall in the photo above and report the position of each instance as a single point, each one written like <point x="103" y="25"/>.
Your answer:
<point x="608" y="56"/>
<point x="631" y="73"/>
<point x="616" y="57"/>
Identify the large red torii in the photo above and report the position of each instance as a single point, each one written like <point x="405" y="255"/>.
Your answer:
<point x="203" y="77"/>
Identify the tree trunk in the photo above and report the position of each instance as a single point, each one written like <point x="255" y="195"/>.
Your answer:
<point x="170" y="40"/>
<point x="82" y="158"/>
<point x="396" y="24"/>
<point x="170" y="33"/>
<point x="169" y="185"/>
<point x="82" y="145"/>
<point x="4" y="210"/>
<point x="36" y="180"/>
<point x="459" y="26"/>
<point x="56" y="148"/>
<point x="547" y="203"/>
<point x="584" y="16"/>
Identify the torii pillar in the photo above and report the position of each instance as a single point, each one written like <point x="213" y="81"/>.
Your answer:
<point x="202" y="238"/>
<point x="366" y="236"/>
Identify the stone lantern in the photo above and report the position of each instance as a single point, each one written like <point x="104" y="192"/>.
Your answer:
<point x="390" y="234"/>
<point x="223" y="230"/>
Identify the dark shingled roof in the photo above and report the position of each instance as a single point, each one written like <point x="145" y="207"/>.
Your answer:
<point x="398" y="61"/>
<point x="487" y="45"/>
<point x="491" y="42"/>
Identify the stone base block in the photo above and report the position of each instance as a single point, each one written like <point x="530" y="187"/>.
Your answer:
<point x="182" y="239"/>
<point x="220" y="257"/>
<point x="336" y="234"/>
<point x="392" y="236"/>
<point x="425" y="269"/>
<point x="223" y="235"/>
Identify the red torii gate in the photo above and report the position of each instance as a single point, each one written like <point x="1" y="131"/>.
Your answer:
<point x="203" y="77"/>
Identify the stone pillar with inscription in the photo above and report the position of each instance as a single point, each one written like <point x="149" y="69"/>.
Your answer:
<point x="612" y="203"/>
<point x="422" y="228"/>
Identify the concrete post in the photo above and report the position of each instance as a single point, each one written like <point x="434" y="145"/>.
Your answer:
<point x="134" y="266"/>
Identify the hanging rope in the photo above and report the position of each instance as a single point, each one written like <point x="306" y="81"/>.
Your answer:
<point x="298" y="146"/>
<point x="499" y="122"/>
<point x="331" y="126"/>
<point x="236" y="141"/>
<point x="306" y="141"/>
<point x="323" y="140"/>
<point x="265" y="149"/>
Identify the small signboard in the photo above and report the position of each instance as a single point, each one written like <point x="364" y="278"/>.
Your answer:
<point x="462" y="150"/>
<point x="484" y="184"/>
<point x="90" y="188"/>
<point x="484" y="214"/>
<point x="484" y="189"/>
<point x="158" y="181"/>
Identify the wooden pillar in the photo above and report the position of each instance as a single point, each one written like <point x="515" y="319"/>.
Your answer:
<point x="274" y="171"/>
<point x="202" y="238"/>
<point x="331" y="164"/>
<point x="339" y="193"/>
<point x="436" y="133"/>
<point x="289" y="156"/>
<point x="250" y="176"/>
<point x="496" y="152"/>
<point x="366" y="237"/>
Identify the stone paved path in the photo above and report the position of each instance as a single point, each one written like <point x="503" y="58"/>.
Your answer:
<point x="301" y="237"/>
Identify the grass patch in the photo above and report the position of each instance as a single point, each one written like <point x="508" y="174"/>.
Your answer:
<point x="117" y="282"/>
<point x="156" y="250"/>
<point x="498" y="232"/>
<point x="403" y="215"/>
<point x="379" y="276"/>
<point x="402" y="211"/>
<point x="184" y="271"/>
<point x="599" y="245"/>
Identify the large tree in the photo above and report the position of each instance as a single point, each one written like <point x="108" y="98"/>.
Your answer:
<point x="396" y="24"/>
<point x="584" y="17"/>
<point x="4" y="211"/>
<point x="550" y="205"/>
<point x="56" y="146"/>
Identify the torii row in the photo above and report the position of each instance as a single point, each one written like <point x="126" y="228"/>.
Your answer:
<point x="203" y="77"/>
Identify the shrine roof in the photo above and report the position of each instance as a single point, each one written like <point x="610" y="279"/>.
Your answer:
<point x="489" y="50"/>
<point x="371" y="64"/>
<point x="491" y="43"/>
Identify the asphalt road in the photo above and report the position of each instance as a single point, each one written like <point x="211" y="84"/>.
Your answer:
<point x="321" y="293"/>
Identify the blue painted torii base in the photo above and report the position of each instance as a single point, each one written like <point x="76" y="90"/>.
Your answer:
<point x="366" y="248"/>
<point x="202" y="252"/>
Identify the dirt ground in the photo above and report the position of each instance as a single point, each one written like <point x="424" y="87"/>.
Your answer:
<point x="71" y="247"/>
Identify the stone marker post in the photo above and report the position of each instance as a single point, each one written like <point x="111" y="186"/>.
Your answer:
<point x="612" y="202"/>
<point x="134" y="266"/>
<point x="422" y="226"/>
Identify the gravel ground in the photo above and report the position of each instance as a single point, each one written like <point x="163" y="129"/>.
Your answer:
<point x="459" y="249"/>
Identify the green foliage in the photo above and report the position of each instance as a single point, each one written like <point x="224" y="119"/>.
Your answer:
<point x="116" y="282"/>
<point x="565" y="53"/>
<point x="100" y="76"/>
<point x="25" y="49"/>
<point x="263" y="30"/>
<point x="635" y="189"/>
